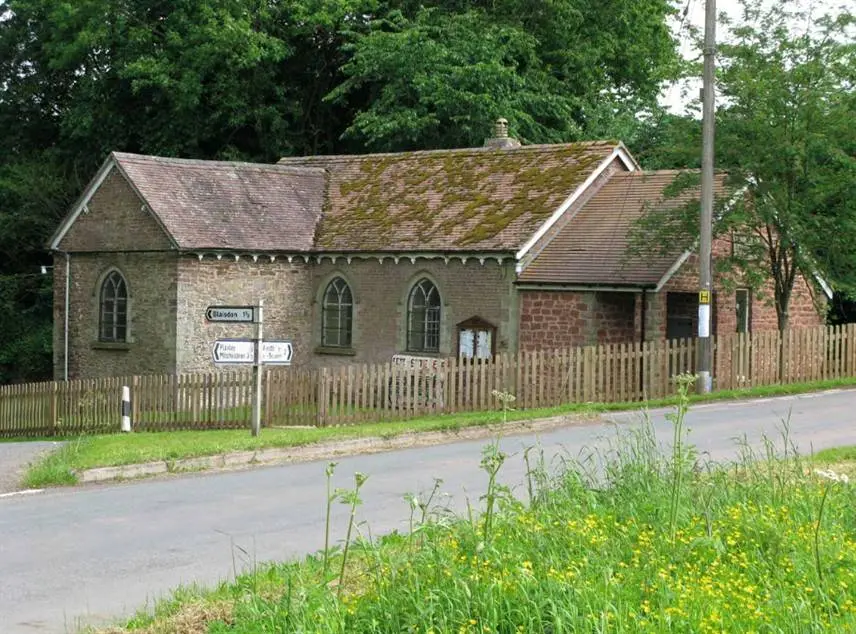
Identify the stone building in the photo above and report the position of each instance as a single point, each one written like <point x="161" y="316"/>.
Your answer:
<point x="357" y="258"/>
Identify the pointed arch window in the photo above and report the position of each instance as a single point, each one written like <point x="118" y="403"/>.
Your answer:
<point x="113" y="321"/>
<point x="423" y="317"/>
<point x="337" y="311"/>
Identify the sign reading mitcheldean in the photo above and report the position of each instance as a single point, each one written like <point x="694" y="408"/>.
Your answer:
<point x="231" y="314"/>
<point x="234" y="351"/>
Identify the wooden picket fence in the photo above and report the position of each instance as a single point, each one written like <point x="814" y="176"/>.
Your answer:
<point x="357" y="394"/>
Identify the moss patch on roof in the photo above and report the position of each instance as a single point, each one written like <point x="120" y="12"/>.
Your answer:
<point x="488" y="199"/>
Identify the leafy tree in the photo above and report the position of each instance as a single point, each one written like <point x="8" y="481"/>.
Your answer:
<point x="437" y="76"/>
<point x="784" y="133"/>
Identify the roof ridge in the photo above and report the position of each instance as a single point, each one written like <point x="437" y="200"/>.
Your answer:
<point x="212" y="164"/>
<point x="471" y="151"/>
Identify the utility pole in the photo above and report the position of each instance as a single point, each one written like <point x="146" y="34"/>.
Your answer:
<point x="708" y="113"/>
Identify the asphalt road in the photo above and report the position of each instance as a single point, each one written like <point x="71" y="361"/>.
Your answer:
<point x="90" y="555"/>
<point x="14" y="458"/>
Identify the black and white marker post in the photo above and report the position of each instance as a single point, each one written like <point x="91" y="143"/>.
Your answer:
<point x="257" y="369"/>
<point x="126" y="408"/>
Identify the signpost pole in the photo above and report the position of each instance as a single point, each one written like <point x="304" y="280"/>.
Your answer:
<point x="257" y="369"/>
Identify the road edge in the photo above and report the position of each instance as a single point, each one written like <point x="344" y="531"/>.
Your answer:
<point x="324" y="450"/>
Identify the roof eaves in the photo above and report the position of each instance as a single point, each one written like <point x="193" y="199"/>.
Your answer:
<point x="673" y="269"/>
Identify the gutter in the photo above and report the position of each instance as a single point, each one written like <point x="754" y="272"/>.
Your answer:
<point x="559" y="286"/>
<point x="65" y="314"/>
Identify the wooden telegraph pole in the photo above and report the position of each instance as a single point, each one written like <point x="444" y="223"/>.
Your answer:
<point x="705" y="295"/>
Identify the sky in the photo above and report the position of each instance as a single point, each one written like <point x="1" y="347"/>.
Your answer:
<point x="695" y="16"/>
<point x="673" y="97"/>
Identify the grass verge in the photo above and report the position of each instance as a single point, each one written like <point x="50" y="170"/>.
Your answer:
<point x="645" y="543"/>
<point x="109" y="450"/>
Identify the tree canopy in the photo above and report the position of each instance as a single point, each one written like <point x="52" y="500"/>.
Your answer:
<point x="785" y="133"/>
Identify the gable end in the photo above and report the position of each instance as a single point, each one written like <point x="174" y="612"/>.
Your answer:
<point x="112" y="216"/>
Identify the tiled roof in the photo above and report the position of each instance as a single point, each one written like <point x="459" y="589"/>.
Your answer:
<point x="227" y="205"/>
<point x="592" y="249"/>
<point x="451" y="200"/>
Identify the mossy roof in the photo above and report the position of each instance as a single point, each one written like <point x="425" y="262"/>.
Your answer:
<point x="450" y="200"/>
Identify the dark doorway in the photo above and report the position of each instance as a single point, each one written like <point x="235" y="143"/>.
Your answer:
<point x="682" y="315"/>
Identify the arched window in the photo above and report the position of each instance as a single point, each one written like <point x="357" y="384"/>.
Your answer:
<point x="113" y="323"/>
<point x="337" y="312"/>
<point x="423" y="318"/>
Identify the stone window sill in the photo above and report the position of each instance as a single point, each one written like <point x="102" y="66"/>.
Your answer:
<point x="333" y="350"/>
<point x="111" y="345"/>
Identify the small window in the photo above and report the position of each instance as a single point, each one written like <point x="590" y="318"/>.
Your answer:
<point x="423" y="318"/>
<point x="337" y="313"/>
<point x="744" y="310"/>
<point x="113" y="324"/>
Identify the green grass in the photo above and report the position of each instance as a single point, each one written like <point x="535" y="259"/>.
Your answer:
<point x="54" y="468"/>
<point x="837" y="454"/>
<point x="650" y="543"/>
<point x="122" y="449"/>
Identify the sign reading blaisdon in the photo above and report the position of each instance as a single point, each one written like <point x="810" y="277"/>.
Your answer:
<point x="231" y="314"/>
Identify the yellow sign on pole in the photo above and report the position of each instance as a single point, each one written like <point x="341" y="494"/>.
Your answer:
<point x="704" y="296"/>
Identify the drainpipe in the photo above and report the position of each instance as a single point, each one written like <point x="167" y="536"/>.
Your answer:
<point x="642" y="341"/>
<point x="65" y="314"/>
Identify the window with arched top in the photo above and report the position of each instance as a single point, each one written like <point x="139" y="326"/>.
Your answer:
<point x="423" y="317"/>
<point x="337" y="311"/>
<point x="113" y="320"/>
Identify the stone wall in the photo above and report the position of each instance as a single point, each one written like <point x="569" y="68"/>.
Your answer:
<point x="556" y="319"/>
<point x="561" y="319"/>
<point x="285" y="289"/>
<point x="116" y="220"/>
<point x="380" y="292"/>
<point x="803" y="311"/>
<point x="150" y="345"/>
<point x="116" y="231"/>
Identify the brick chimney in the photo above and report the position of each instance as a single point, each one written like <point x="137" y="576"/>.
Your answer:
<point x="500" y="137"/>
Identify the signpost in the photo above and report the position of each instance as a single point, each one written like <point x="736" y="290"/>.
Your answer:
<point x="255" y="351"/>
<point x="257" y="371"/>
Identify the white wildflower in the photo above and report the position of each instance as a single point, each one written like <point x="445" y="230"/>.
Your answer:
<point x="829" y="474"/>
<point x="505" y="397"/>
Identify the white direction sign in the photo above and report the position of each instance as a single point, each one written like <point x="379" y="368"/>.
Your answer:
<point x="231" y="314"/>
<point x="277" y="352"/>
<point x="234" y="351"/>
<point x="243" y="351"/>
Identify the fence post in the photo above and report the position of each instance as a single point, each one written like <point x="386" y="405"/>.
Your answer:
<point x="135" y="398"/>
<point x="321" y="390"/>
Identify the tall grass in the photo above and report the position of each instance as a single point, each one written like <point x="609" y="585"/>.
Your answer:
<point x="631" y="539"/>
